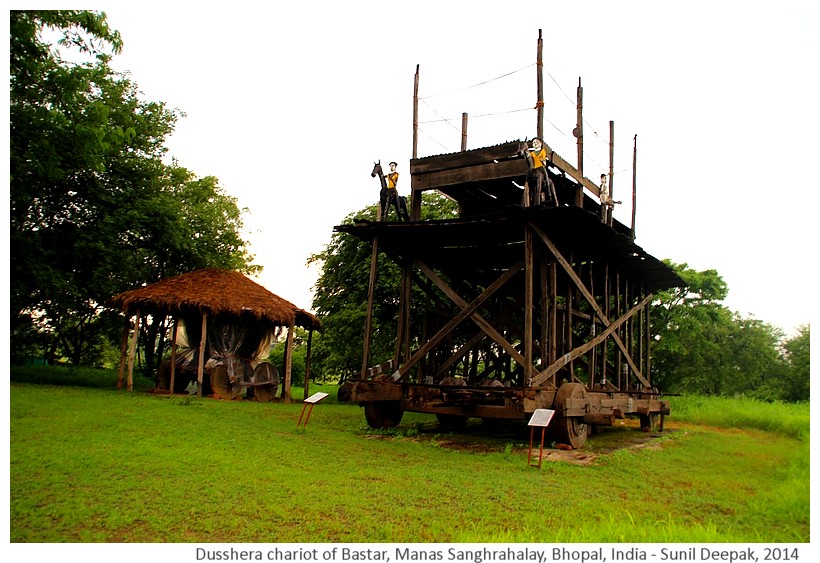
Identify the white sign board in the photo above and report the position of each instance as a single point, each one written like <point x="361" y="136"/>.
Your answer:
<point x="315" y="398"/>
<point x="541" y="417"/>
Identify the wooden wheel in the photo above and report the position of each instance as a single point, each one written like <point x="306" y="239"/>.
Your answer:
<point x="383" y="414"/>
<point x="221" y="384"/>
<point x="265" y="373"/>
<point x="455" y="421"/>
<point x="569" y="429"/>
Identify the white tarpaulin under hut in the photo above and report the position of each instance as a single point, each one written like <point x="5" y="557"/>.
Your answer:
<point x="224" y="324"/>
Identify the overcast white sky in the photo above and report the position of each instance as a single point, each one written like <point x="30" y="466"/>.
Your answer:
<point x="290" y="106"/>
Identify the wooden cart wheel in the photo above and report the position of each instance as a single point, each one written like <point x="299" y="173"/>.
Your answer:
<point x="454" y="421"/>
<point x="265" y="372"/>
<point x="221" y="384"/>
<point x="383" y="414"/>
<point x="569" y="430"/>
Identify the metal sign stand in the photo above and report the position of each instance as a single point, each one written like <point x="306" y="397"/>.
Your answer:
<point x="312" y="400"/>
<point x="541" y="418"/>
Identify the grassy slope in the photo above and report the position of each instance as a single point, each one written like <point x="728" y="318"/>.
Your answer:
<point x="92" y="465"/>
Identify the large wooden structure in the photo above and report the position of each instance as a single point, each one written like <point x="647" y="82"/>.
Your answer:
<point x="525" y="307"/>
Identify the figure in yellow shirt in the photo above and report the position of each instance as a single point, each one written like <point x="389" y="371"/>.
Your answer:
<point x="392" y="197"/>
<point x="537" y="179"/>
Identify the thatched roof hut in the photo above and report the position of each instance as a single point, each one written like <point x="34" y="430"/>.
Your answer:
<point x="232" y="318"/>
<point x="214" y="291"/>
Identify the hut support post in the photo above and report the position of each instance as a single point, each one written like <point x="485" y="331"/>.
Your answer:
<point x="126" y="326"/>
<point x="307" y="364"/>
<point x="288" y="365"/>
<point x="132" y="351"/>
<point x="528" y="301"/>
<point x="200" y="367"/>
<point x="579" y="134"/>
<point x="173" y="355"/>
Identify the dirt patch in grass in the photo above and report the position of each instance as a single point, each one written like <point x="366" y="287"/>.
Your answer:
<point x="513" y="438"/>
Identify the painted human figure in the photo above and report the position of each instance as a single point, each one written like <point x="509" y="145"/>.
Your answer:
<point x="537" y="179"/>
<point x="392" y="196"/>
<point x="607" y="203"/>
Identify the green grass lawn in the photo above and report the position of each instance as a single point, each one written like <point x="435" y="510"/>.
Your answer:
<point x="102" y="465"/>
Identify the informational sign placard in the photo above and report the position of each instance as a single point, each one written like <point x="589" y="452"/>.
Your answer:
<point x="315" y="398"/>
<point x="541" y="417"/>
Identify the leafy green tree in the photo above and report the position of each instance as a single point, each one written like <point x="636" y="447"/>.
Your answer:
<point x="94" y="209"/>
<point x="701" y="346"/>
<point x="341" y="295"/>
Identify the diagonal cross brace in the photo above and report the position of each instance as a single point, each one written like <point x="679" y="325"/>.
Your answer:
<point x="467" y="310"/>
<point x="601" y="315"/>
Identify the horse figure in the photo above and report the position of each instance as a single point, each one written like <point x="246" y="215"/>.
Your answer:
<point x="388" y="196"/>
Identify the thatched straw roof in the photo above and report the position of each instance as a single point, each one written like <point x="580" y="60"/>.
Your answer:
<point x="215" y="291"/>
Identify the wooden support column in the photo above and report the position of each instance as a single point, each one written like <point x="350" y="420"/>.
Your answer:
<point x="647" y="369"/>
<point x="288" y="364"/>
<point x="415" y="195"/>
<point x="611" y="170"/>
<point x="371" y="286"/>
<point x="132" y="351"/>
<point x="528" y="302"/>
<point x="307" y="364"/>
<point x="634" y="171"/>
<point x="463" y="132"/>
<point x="539" y="105"/>
<point x="200" y="368"/>
<point x="126" y="328"/>
<point x="579" y="134"/>
<point x="173" y="354"/>
<point x="545" y="314"/>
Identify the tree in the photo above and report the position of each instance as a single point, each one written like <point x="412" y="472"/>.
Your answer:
<point x="701" y="346"/>
<point x="341" y="295"/>
<point x="94" y="209"/>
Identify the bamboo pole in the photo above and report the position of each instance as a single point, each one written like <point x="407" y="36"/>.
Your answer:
<point x="610" y="213"/>
<point x="126" y="328"/>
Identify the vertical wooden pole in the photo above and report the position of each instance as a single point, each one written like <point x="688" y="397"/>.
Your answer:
<point x="307" y="364"/>
<point x="634" y="173"/>
<point x="371" y="286"/>
<point x="200" y="367"/>
<point x="415" y="195"/>
<point x="173" y="354"/>
<point x="647" y="369"/>
<point x="545" y="304"/>
<point x="540" y="85"/>
<point x="126" y="328"/>
<point x="528" y="288"/>
<point x="288" y="364"/>
<point x="463" y="132"/>
<point x="553" y="354"/>
<point x="132" y="352"/>
<point x="611" y="169"/>
<point x="579" y="134"/>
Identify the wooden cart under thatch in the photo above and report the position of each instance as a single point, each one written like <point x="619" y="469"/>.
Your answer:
<point x="224" y="324"/>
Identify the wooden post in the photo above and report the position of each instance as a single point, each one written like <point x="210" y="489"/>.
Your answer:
<point x="371" y="286"/>
<point x="463" y="132"/>
<point x="528" y="288"/>
<point x="539" y="105"/>
<point x="415" y="195"/>
<point x="307" y="364"/>
<point x="579" y="134"/>
<point x="200" y="366"/>
<point x="288" y="365"/>
<point x="173" y="354"/>
<point x="416" y="113"/>
<point x="126" y="327"/>
<point x="132" y="351"/>
<point x="610" y="213"/>
<point x="634" y="172"/>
